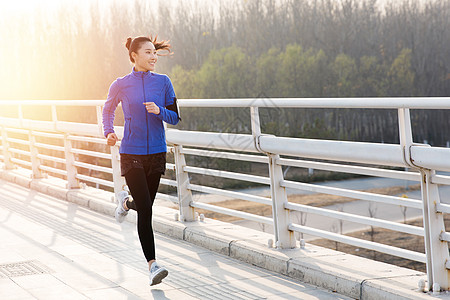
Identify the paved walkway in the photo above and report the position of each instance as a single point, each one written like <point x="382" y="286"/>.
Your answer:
<point x="52" y="249"/>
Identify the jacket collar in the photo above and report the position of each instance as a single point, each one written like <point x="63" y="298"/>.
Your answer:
<point x="140" y="73"/>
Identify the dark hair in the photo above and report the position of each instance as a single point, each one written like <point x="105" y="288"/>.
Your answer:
<point x="133" y="45"/>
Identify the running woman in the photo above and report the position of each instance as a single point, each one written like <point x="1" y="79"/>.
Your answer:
<point x="147" y="99"/>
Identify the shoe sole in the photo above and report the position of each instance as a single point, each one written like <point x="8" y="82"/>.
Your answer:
<point x="159" y="277"/>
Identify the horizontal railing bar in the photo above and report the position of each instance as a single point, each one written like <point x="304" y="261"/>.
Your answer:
<point x="26" y="124"/>
<point x="227" y="155"/>
<point x="352" y="194"/>
<point x="93" y="167"/>
<point x="356" y="218"/>
<point x="79" y="128"/>
<point x="408" y="254"/>
<point x="19" y="151"/>
<point x="213" y="140"/>
<point x="170" y="166"/>
<point x="166" y="197"/>
<point x="443" y="208"/>
<point x="363" y="102"/>
<point x="16" y="130"/>
<point x="48" y="134"/>
<point x="30" y="124"/>
<point x="168" y="182"/>
<point x="53" y="170"/>
<point x="53" y="102"/>
<point x="91" y="153"/>
<point x="95" y="180"/>
<point x="226" y="174"/>
<point x="21" y="162"/>
<point x="444" y="236"/>
<point x="433" y="158"/>
<point x="11" y="123"/>
<point x="231" y="212"/>
<point x="440" y="179"/>
<point x="58" y="127"/>
<point x="48" y="146"/>
<point x="18" y="141"/>
<point x="237" y="195"/>
<point x="413" y="176"/>
<point x="346" y="151"/>
<point x="381" y="103"/>
<point x="52" y="158"/>
<point x="87" y="139"/>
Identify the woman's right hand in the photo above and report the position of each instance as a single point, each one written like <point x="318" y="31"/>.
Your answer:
<point x="111" y="139"/>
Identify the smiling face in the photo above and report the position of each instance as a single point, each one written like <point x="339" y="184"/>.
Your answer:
<point x="145" y="58"/>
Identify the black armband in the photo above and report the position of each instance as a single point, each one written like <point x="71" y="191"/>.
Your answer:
<point x="174" y="107"/>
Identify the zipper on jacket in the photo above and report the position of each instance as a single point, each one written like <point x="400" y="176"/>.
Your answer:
<point x="146" y="113"/>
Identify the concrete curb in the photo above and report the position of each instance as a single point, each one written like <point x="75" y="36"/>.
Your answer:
<point x="346" y="274"/>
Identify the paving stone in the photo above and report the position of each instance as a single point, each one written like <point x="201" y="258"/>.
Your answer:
<point x="87" y="255"/>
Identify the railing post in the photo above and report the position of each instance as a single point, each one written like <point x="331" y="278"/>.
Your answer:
<point x="72" y="181"/>
<point x="184" y="193"/>
<point x="256" y="126"/>
<point x="98" y="110"/>
<point x="437" y="250"/>
<point x="433" y="222"/>
<point x="20" y="114"/>
<point x="406" y="141"/>
<point x="6" y="154"/>
<point x="118" y="180"/>
<point x="284" y="238"/>
<point x="405" y="135"/>
<point x="54" y="117"/>
<point x="35" y="161"/>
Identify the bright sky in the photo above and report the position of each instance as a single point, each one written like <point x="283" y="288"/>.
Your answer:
<point x="8" y="7"/>
<point x="21" y="6"/>
<point x="24" y="7"/>
<point x="14" y="7"/>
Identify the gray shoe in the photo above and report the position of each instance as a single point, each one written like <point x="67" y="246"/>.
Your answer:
<point x="121" y="212"/>
<point x="157" y="274"/>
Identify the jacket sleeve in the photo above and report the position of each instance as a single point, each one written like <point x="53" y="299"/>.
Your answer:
<point x="170" y="113"/>
<point x="110" y="107"/>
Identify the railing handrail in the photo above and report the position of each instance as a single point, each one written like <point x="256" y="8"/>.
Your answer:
<point x="355" y="102"/>
<point x="422" y="158"/>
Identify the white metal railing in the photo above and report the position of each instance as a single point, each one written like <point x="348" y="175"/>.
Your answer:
<point x="22" y="144"/>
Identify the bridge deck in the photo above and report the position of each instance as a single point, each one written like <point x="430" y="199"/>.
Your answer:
<point x="53" y="249"/>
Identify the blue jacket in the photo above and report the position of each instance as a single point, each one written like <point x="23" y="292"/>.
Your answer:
<point x="144" y="131"/>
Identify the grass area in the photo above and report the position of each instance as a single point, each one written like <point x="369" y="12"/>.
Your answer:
<point x="388" y="237"/>
<point x="317" y="200"/>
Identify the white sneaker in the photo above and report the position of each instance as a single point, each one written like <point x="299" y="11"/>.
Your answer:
<point x="157" y="274"/>
<point x="121" y="212"/>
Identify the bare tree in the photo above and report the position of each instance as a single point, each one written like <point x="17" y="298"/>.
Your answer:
<point x="372" y="210"/>
<point x="335" y="229"/>
<point x="300" y="218"/>
<point x="338" y="226"/>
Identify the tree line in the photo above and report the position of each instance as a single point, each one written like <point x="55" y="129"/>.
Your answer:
<point x="295" y="72"/>
<point x="254" y="48"/>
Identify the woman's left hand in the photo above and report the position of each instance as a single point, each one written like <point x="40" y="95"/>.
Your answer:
<point x="152" y="108"/>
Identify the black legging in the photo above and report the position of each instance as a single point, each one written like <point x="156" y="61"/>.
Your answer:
<point x="143" y="190"/>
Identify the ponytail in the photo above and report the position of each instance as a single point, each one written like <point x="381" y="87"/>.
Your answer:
<point x="133" y="45"/>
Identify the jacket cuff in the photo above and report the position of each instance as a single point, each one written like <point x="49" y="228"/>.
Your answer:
<point x="108" y="132"/>
<point x="161" y="112"/>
